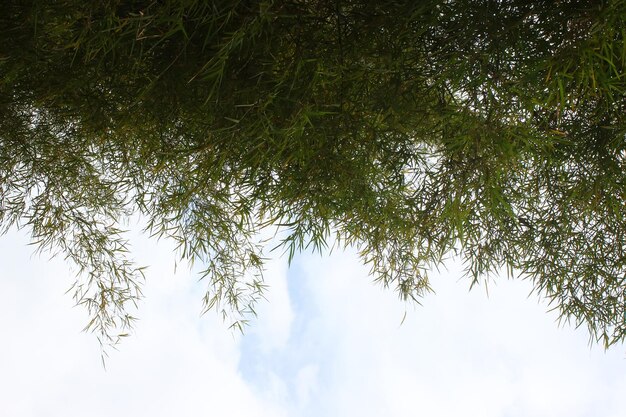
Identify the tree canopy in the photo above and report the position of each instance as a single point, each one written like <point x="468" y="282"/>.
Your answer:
<point x="494" y="130"/>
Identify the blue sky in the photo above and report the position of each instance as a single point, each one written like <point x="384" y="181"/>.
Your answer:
<point x="328" y="342"/>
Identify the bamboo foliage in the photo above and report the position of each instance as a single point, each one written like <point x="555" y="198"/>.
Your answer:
<point x="494" y="130"/>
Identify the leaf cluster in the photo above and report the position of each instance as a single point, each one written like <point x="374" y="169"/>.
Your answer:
<point x="493" y="130"/>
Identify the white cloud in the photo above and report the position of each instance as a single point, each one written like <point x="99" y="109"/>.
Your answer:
<point x="275" y="314"/>
<point x="459" y="353"/>
<point x="306" y="383"/>
<point x="328" y="343"/>
<point x="177" y="363"/>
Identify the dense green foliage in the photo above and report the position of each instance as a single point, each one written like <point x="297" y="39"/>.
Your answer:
<point x="415" y="130"/>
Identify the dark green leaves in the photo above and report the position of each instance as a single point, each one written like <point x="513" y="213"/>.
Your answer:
<point x="412" y="130"/>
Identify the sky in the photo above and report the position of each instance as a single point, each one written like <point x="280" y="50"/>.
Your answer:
<point x="328" y="342"/>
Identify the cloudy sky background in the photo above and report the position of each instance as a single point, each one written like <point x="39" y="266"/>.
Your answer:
<point x="327" y="343"/>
